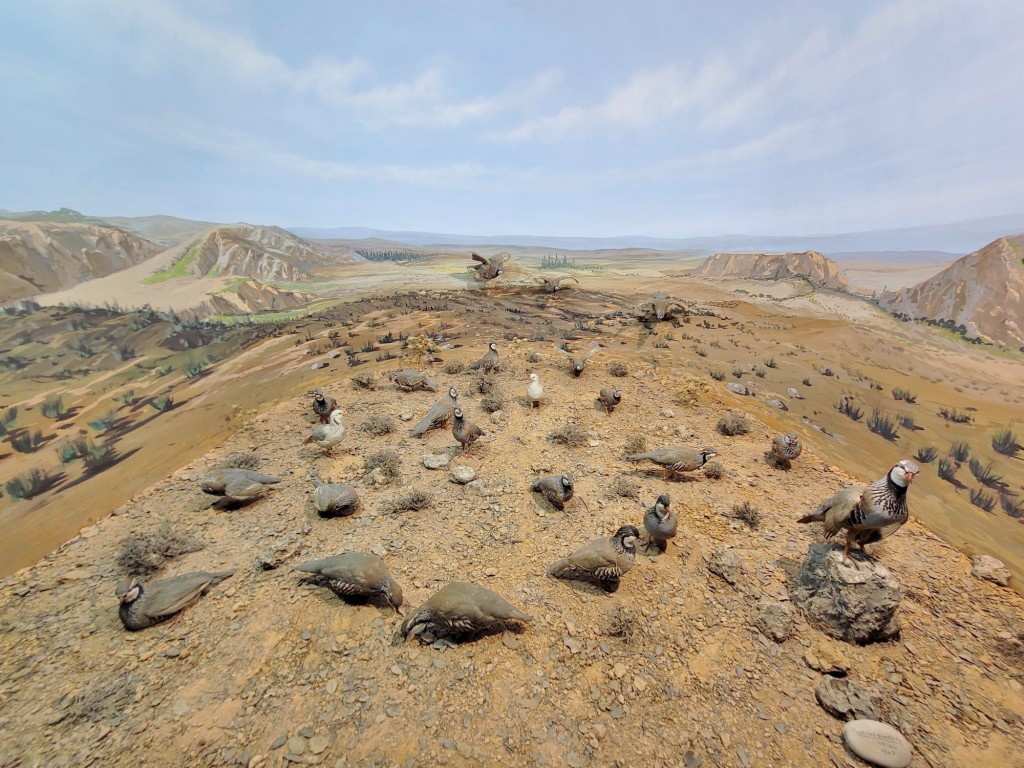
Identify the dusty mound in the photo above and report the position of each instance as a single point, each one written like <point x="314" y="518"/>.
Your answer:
<point x="265" y="669"/>
<point x="252" y="296"/>
<point x="42" y="256"/>
<point x="811" y="265"/>
<point x="265" y="253"/>
<point x="983" y="293"/>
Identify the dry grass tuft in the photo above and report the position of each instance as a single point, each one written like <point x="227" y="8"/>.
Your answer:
<point x="733" y="424"/>
<point x="618" y="369"/>
<point x="386" y="461"/>
<point x="637" y="444"/>
<point x="453" y="367"/>
<point x="714" y="470"/>
<point x="364" y="380"/>
<point x="746" y="512"/>
<point x="248" y="460"/>
<point x="378" y="425"/>
<point x="143" y="553"/>
<point x="624" y="487"/>
<point x="569" y="434"/>
<point x="410" y="501"/>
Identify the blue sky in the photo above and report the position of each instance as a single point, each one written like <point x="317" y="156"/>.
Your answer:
<point x="551" y="117"/>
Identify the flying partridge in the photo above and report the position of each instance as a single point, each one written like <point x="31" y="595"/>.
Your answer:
<point x="869" y="513"/>
<point x="355" y="574"/>
<point x="463" y="609"/>
<point x="554" y="284"/>
<point x="143" y="605"/>
<point x="578" y="363"/>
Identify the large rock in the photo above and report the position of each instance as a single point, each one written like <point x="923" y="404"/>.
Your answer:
<point x="727" y="564"/>
<point x="991" y="569"/>
<point x="855" y="602"/>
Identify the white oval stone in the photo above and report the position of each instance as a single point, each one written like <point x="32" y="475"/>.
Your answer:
<point x="878" y="743"/>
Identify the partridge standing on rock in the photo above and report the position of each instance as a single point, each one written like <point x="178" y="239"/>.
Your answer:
<point x="355" y="574"/>
<point x="461" y="608"/>
<point x="660" y="522"/>
<point x="786" y="448"/>
<point x="534" y="391"/>
<point x="323" y="405"/>
<point x="610" y="397"/>
<point x="577" y="363"/>
<point x="558" y="489"/>
<point x="439" y="414"/>
<point x="869" y="513"/>
<point x="410" y="381"/>
<point x="236" y="485"/>
<point x="465" y="432"/>
<point x="605" y="559"/>
<point x="488" y="362"/>
<point x="143" y="605"/>
<point x="328" y="435"/>
<point x="334" y="499"/>
<point x="679" y="459"/>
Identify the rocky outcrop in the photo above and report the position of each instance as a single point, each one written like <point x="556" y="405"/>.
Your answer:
<point x="818" y="270"/>
<point x="980" y="294"/>
<point x="991" y="569"/>
<point x="264" y="253"/>
<point x="253" y="296"/>
<point x="42" y="256"/>
<point x="855" y="601"/>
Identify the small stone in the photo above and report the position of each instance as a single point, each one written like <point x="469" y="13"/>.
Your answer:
<point x="405" y="416"/>
<point x="464" y="749"/>
<point x="497" y="417"/>
<point x="773" y="619"/>
<point x="827" y="660"/>
<point x="463" y="474"/>
<point x="296" y="745"/>
<point x="318" y="744"/>
<point x="619" y="670"/>
<point x="727" y="564"/>
<point x="279" y="741"/>
<point x="666" y="413"/>
<point x="878" y="743"/>
<point x="842" y="698"/>
<point x="990" y="569"/>
<point x="435" y="460"/>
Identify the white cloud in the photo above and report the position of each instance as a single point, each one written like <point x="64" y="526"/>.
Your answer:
<point x="424" y="100"/>
<point x="647" y="98"/>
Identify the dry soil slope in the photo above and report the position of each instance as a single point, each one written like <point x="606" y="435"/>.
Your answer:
<point x="816" y="268"/>
<point x="42" y="256"/>
<point x="265" y="253"/>
<point x="983" y="291"/>
<point x="263" y="657"/>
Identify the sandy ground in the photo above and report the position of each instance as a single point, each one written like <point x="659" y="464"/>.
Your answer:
<point x="665" y="671"/>
<point x="874" y="276"/>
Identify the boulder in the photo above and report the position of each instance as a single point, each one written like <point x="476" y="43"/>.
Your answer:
<point x="855" y="602"/>
<point x="991" y="569"/>
<point x="463" y="474"/>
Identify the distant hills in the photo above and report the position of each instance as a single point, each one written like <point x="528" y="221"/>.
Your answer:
<point x="812" y="266"/>
<point x="954" y="238"/>
<point x="981" y="294"/>
<point x="43" y="255"/>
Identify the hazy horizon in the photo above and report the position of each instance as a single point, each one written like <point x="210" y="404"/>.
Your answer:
<point x="655" y="120"/>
